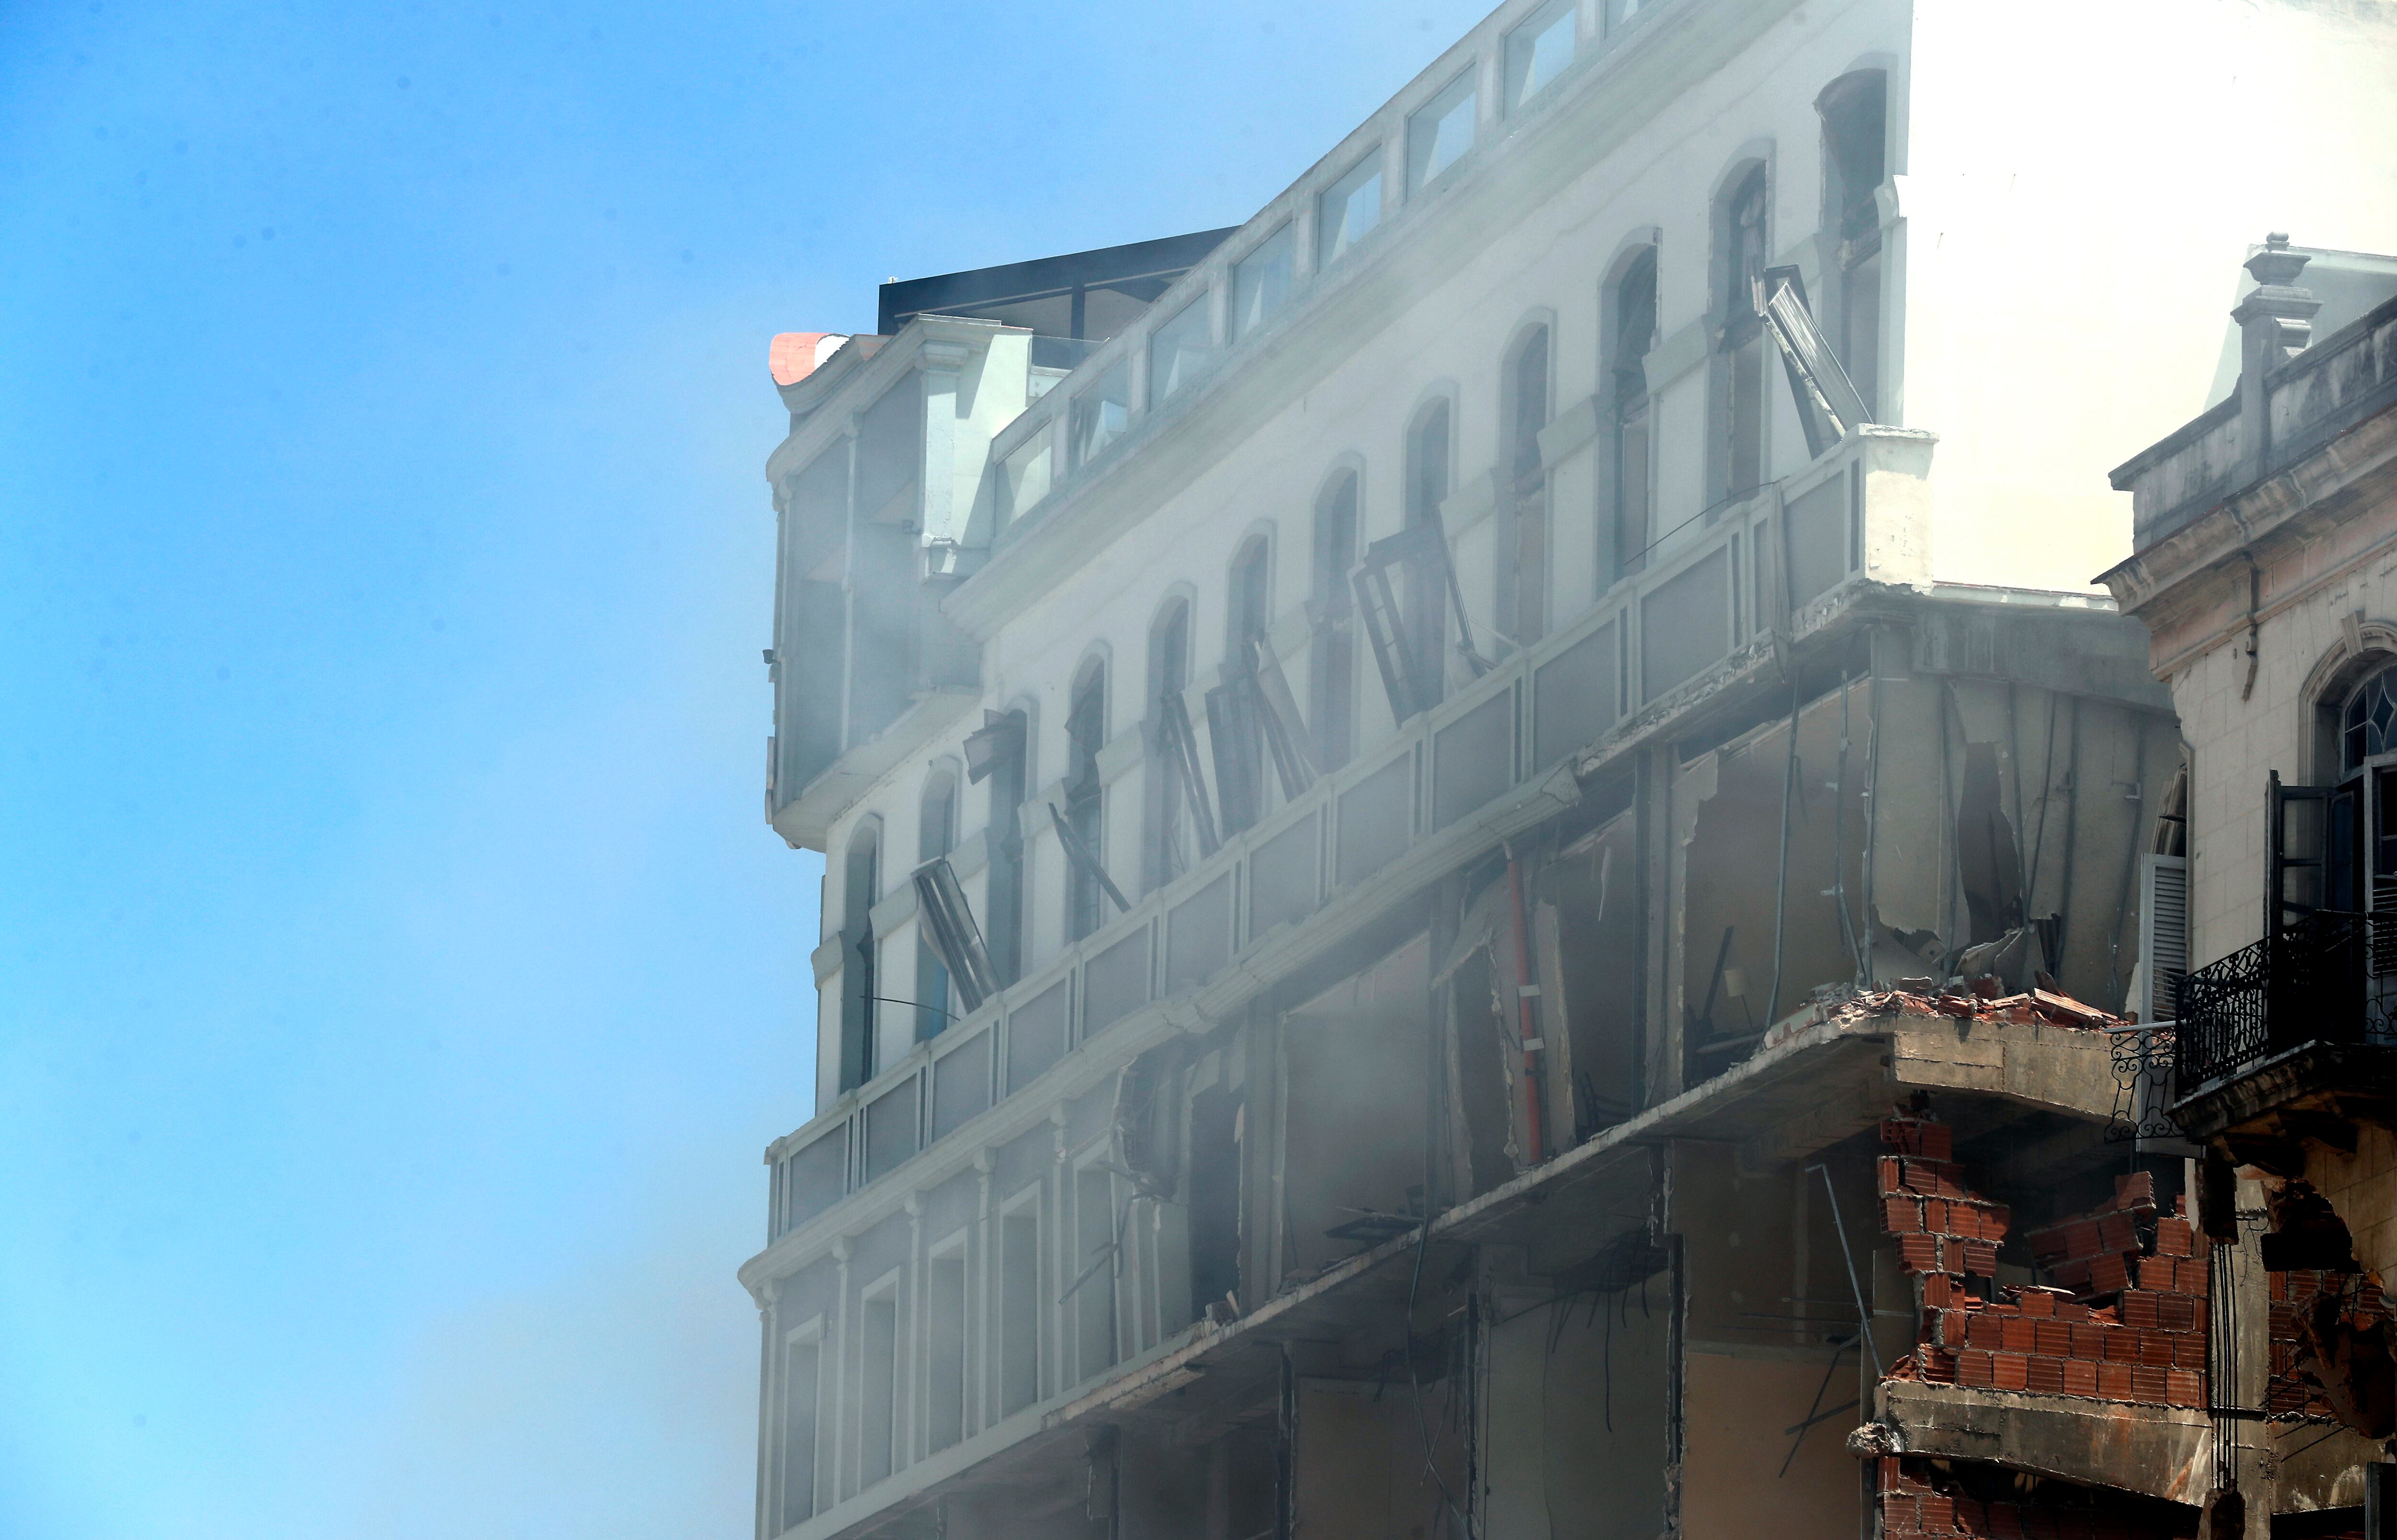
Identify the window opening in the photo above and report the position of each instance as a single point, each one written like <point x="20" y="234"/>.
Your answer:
<point x="2368" y="724"/>
<point x="1635" y="333"/>
<point x="877" y="1387"/>
<point x="1081" y="826"/>
<point x="801" y="1372"/>
<point x="1348" y="209"/>
<point x="1261" y="281"/>
<point x="1538" y="51"/>
<point x="858" y="993"/>
<point x="1855" y="113"/>
<point x="1332" y="684"/>
<point x="996" y="753"/>
<point x="945" y="1315"/>
<point x="1179" y="814"/>
<point x="1097" y="1264"/>
<point x="936" y="836"/>
<point x="1523" y="580"/>
<point x="1741" y="393"/>
<point x="1426" y="596"/>
<point x="1019" y="1310"/>
<point x="1179" y="350"/>
<point x="1440" y="132"/>
<point x="1234" y="710"/>
<point x="1025" y="476"/>
<point x="1101" y="414"/>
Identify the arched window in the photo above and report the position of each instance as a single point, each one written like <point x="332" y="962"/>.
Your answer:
<point x="1086" y="733"/>
<point x="1428" y="487"/>
<point x="1232" y="725"/>
<point x="861" y="877"/>
<point x="2359" y="824"/>
<point x="999" y="752"/>
<point x="1523" y="530"/>
<point x="1248" y="607"/>
<point x="936" y="836"/>
<point x="1172" y="846"/>
<point x="1737" y="398"/>
<point x="1331" y="672"/>
<point x="2367" y="725"/>
<point x="1631" y="319"/>
<point x="1855" y="113"/>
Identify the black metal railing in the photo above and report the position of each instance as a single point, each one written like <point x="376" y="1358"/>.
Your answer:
<point x="2321" y="980"/>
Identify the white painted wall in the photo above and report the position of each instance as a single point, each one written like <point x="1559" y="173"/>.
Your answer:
<point x="2075" y="187"/>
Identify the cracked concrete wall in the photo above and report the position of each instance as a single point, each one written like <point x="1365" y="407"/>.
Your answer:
<point x="2002" y="802"/>
<point x="1731" y="857"/>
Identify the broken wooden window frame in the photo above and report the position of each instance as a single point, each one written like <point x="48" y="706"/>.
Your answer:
<point x="1285" y="730"/>
<point x="1086" y="859"/>
<point x="1234" y="735"/>
<point x="1422" y="550"/>
<point x="1829" y="406"/>
<point x="1178" y="746"/>
<point x="950" y="927"/>
<point x="1001" y="734"/>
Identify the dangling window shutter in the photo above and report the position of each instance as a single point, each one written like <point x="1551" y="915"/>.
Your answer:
<point x="949" y="926"/>
<point x="2293" y="850"/>
<point x="2163" y="933"/>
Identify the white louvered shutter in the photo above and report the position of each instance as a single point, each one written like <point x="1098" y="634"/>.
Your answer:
<point x="2163" y="933"/>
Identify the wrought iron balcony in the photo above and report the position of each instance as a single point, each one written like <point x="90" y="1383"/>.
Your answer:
<point x="2329" y="979"/>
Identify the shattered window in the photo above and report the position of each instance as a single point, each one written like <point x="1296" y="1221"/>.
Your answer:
<point x="1101" y="414"/>
<point x="1178" y="350"/>
<point x="1538" y="51"/>
<point x="1351" y="208"/>
<point x="1441" y="132"/>
<point x="2369" y="727"/>
<point x="1261" y="282"/>
<point x="1026" y="475"/>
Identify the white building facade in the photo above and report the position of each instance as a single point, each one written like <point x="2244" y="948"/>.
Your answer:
<point x="1459" y="515"/>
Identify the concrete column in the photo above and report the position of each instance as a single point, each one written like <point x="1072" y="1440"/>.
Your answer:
<point x="940" y="367"/>
<point x="909" y="1433"/>
<point x="2275" y="321"/>
<point x="982" y="1333"/>
<point x="834" y="1387"/>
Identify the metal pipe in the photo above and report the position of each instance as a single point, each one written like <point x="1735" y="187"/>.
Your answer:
<point x="1781" y="884"/>
<point x="1864" y="1316"/>
<point x="1526" y="1022"/>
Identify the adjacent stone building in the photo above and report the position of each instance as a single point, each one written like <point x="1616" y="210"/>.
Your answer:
<point x="1490" y="871"/>
<point x="2265" y="530"/>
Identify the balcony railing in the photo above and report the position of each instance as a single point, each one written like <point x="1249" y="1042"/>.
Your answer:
<point x="2329" y="978"/>
<point x="1652" y="644"/>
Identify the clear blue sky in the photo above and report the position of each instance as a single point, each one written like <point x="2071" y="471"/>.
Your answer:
<point x="397" y="983"/>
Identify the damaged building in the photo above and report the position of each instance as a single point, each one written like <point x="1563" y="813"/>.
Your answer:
<point x="1489" y="871"/>
<point x="2262" y="568"/>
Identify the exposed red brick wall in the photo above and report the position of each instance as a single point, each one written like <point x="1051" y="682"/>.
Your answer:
<point x="2127" y="1322"/>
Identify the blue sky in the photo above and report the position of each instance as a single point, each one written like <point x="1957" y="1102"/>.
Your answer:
<point x="397" y="983"/>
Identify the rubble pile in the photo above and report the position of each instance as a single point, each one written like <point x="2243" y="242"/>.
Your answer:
<point x="2124" y="1320"/>
<point x="1980" y="1000"/>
